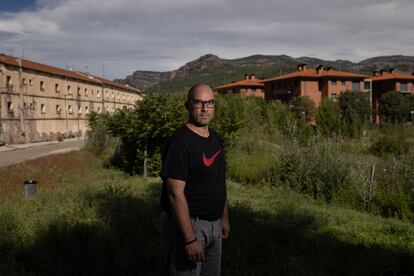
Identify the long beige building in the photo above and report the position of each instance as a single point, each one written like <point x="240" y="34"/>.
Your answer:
<point x="40" y="102"/>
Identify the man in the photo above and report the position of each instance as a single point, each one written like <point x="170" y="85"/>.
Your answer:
<point x="194" y="200"/>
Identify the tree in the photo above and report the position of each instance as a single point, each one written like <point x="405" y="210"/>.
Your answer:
<point x="394" y="107"/>
<point x="328" y="118"/>
<point x="304" y="108"/>
<point x="355" y="110"/>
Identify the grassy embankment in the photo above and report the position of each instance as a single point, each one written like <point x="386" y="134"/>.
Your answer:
<point x="95" y="221"/>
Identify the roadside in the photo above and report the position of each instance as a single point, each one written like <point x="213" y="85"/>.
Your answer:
<point x="14" y="154"/>
<point x="6" y="148"/>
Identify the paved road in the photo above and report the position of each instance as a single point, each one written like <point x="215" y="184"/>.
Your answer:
<point x="22" y="154"/>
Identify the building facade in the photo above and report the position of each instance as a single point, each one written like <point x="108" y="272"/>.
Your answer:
<point x="317" y="84"/>
<point x="250" y="86"/>
<point x="385" y="81"/>
<point x="40" y="102"/>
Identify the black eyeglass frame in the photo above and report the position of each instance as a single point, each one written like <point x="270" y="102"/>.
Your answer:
<point x="200" y="104"/>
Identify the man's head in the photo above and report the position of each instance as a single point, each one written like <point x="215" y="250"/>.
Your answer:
<point x="200" y="104"/>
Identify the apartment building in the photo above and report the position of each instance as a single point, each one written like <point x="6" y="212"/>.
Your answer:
<point x="318" y="83"/>
<point x="385" y="81"/>
<point x="40" y="102"/>
<point x="250" y="86"/>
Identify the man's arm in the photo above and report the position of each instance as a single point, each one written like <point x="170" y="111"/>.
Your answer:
<point x="225" y="225"/>
<point x="179" y="208"/>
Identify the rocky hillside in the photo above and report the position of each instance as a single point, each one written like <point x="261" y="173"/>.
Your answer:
<point x="212" y="69"/>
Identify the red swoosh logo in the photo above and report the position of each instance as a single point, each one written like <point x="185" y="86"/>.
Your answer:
<point x="209" y="161"/>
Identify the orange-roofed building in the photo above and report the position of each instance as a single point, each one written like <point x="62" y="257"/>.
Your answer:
<point x="385" y="81"/>
<point x="317" y="84"/>
<point x="250" y="86"/>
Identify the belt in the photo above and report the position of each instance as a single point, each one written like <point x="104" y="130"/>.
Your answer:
<point x="196" y="218"/>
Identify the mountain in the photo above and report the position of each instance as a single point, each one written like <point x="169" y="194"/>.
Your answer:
<point x="216" y="71"/>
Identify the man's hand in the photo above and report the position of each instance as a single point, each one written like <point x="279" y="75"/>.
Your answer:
<point x="194" y="252"/>
<point x="225" y="228"/>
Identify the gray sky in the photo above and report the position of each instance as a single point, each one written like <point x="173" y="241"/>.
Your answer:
<point x="161" y="35"/>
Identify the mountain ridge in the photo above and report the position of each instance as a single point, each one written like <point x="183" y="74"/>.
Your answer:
<point x="225" y="70"/>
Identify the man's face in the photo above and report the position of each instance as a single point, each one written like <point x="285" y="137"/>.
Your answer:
<point x="201" y="106"/>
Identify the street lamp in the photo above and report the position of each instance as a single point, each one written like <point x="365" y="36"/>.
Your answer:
<point x="412" y="116"/>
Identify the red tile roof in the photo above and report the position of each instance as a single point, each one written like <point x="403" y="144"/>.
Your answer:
<point x="249" y="83"/>
<point x="110" y="82"/>
<point x="31" y="65"/>
<point x="312" y="73"/>
<point x="392" y="76"/>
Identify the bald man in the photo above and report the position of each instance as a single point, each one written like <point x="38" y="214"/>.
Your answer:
<point x="194" y="197"/>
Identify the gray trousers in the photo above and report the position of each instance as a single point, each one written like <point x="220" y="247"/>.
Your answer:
<point x="172" y="244"/>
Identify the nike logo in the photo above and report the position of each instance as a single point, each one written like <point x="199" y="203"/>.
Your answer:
<point x="209" y="161"/>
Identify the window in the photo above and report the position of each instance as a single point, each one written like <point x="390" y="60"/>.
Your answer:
<point x="70" y="109"/>
<point x="99" y="110"/>
<point x="86" y="109"/>
<point x="57" y="89"/>
<point x="42" y="86"/>
<point x="79" y="91"/>
<point x="9" y="83"/>
<point x="79" y="109"/>
<point x="355" y="86"/>
<point x="30" y="82"/>
<point x="43" y="108"/>
<point x="403" y="87"/>
<point x="24" y="81"/>
<point x="92" y="92"/>
<point x="58" y="109"/>
<point x="367" y="85"/>
<point x="333" y="83"/>
<point x="24" y="105"/>
<point x="119" y="96"/>
<point x="86" y="92"/>
<point x="334" y="97"/>
<point x="69" y="90"/>
<point x="98" y="94"/>
<point x="9" y="107"/>
<point x="113" y="95"/>
<point x="343" y="83"/>
<point x="31" y="105"/>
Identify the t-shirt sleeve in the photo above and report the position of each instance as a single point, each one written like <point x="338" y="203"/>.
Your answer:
<point x="176" y="163"/>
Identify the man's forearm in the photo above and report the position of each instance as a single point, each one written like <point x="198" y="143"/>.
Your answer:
<point x="180" y="211"/>
<point x="225" y="211"/>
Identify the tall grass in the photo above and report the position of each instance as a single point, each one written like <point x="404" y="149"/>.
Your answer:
<point x="106" y="222"/>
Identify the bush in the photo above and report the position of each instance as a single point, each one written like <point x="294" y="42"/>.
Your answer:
<point x="304" y="108"/>
<point x="328" y="118"/>
<point x="356" y="111"/>
<point x="394" y="107"/>
<point x="388" y="146"/>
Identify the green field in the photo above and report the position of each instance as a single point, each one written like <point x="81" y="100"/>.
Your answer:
<point x="91" y="220"/>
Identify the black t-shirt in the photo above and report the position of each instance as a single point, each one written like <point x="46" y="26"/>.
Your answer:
<point x="200" y="162"/>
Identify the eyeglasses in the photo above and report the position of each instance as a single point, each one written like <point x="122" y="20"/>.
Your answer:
<point x="199" y="104"/>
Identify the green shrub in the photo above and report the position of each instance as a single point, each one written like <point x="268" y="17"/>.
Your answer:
<point x="304" y="108"/>
<point x="387" y="146"/>
<point x="356" y="111"/>
<point x="328" y="118"/>
<point x="394" y="107"/>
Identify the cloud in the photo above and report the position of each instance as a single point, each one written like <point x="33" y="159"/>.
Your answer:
<point x="126" y="35"/>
